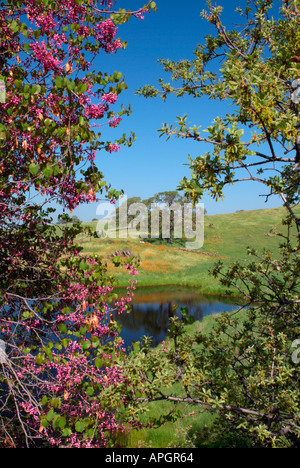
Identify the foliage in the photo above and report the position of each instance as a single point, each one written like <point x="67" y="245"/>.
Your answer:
<point x="61" y="345"/>
<point x="244" y="371"/>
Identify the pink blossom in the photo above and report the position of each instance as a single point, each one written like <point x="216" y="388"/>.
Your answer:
<point x="110" y="98"/>
<point x="95" y="111"/>
<point x="114" y="122"/>
<point x="113" y="148"/>
<point x="46" y="57"/>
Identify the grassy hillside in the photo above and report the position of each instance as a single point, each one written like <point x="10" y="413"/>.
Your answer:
<point x="226" y="238"/>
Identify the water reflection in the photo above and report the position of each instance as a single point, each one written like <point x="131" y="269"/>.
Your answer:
<point x="152" y="308"/>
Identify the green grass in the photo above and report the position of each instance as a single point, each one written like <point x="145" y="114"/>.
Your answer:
<point x="170" y="434"/>
<point x="227" y="238"/>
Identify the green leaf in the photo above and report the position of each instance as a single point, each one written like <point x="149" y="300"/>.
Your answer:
<point x="65" y="342"/>
<point x="95" y="341"/>
<point x="66" y="432"/>
<point x="83" y="265"/>
<point x="48" y="122"/>
<point x="62" y="422"/>
<point x="79" y="426"/>
<point x="50" y="415"/>
<point x="70" y="85"/>
<point x="62" y="328"/>
<point x="117" y="76"/>
<point x="36" y="89"/>
<point x="44" y="422"/>
<point x="121" y="86"/>
<point x="81" y="120"/>
<point x="14" y="26"/>
<point x="33" y="169"/>
<point x="81" y="88"/>
<point x="59" y="83"/>
<point x="44" y="400"/>
<point x="98" y="363"/>
<point x="90" y="391"/>
<point x="39" y="359"/>
<point x="86" y="344"/>
<point x="116" y="261"/>
<point x="56" y="402"/>
<point x="48" y="171"/>
<point x="18" y="84"/>
<point x="37" y="33"/>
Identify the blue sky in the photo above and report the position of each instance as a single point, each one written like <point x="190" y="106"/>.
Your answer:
<point x="153" y="164"/>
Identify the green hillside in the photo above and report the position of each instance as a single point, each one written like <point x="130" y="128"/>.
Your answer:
<point x="226" y="238"/>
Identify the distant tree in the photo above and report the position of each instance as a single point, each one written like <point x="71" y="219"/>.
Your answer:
<point x="166" y="204"/>
<point x="125" y="205"/>
<point x="61" y="221"/>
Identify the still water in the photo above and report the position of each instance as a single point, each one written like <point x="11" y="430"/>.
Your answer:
<point x="152" y="308"/>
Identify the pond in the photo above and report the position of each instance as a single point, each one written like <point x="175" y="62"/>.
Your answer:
<point x="152" y="307"/>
